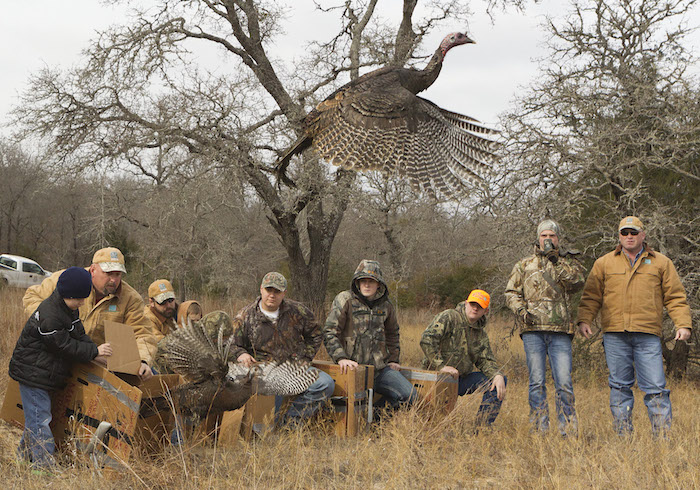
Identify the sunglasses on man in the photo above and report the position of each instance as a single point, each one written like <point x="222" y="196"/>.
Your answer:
<point x="629" y="232"/>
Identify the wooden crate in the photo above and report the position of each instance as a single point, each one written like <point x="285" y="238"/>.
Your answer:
<point x="351" y="398"/>
<point x="438" y="391"/>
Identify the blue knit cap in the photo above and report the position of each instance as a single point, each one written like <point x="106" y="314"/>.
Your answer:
<point x="74" y="282"/>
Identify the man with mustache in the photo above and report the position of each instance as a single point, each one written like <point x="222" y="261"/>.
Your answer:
<point x="111" y="298"/>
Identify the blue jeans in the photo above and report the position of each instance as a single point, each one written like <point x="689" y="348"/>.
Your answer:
<point x="490" y="404"/>
<point x="37" y="442"/>
<point x="308" y="403"/>
<point x="394" y="388"/>
<point x="625" y="353"/>
<point x="539" y="345"/>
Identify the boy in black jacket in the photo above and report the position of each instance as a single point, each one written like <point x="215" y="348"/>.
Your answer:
<point x="51" y="341"/>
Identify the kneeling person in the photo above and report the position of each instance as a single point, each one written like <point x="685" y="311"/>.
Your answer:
<point x="455" y="342"/>
<point x="273" y="328"/>
<point x="362" y="329"/>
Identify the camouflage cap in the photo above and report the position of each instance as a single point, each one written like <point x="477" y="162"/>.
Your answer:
<point x="548" y="224"/>
<point x="480" y="296"/>
<point x="161" y="290"/>
<point x="274" y="280"/>
<point x="109" y="259"/>
<point x="631" y="222"/>
<point x="368" y="269"/>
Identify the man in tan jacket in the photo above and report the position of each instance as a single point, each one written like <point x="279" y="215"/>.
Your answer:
<point x="630" y="287"/>
<point x="110" y="299"/>
<point x="161" y="308"/>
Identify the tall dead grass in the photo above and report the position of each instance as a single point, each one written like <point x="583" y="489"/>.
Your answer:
<point x="410" y="450"/>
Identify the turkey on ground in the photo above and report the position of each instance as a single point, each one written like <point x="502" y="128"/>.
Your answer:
<point x="217" y="383"/>
<point x="377" y="122"/>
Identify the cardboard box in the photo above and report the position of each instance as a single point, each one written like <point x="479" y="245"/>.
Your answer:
<point x="229" y="428"/>
<point x="258" y="417"/>
<point x="351" y="398"/>
<point x="91" y="396"/>
<point x="438" y="391"/>
<point x="125" y="357"/>
<point x="157" y="413"/>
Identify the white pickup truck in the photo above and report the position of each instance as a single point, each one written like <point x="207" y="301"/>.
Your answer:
<point x="20" y="272"/>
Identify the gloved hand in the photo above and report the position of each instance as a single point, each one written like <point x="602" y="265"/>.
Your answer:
<point x="550" y="251"/>
<point x="527" y="317"/>
<point x="553" y="255"/>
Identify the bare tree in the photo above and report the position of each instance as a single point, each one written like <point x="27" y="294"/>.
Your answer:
<point x="143" y="103"/>
<point x="609" y="130"/>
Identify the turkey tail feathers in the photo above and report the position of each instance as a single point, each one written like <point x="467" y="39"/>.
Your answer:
<point x="191" y="352"/>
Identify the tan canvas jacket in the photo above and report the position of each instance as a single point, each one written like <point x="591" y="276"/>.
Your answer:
<point x="125" y="306"/>
<point x="159" y="325"/>
<point x="632" y="299"/>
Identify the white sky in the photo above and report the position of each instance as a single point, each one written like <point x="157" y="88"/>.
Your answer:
<point x="479" y="80"/>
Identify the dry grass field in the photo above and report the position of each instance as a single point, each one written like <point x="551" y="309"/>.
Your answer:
<point x="408" y="451"/>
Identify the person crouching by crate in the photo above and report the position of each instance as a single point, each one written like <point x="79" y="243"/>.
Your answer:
<point x="274" y="328"/>
<point x="51" y="341"/>
<point x="362" y="328"/>
<point x="455" y="342"/>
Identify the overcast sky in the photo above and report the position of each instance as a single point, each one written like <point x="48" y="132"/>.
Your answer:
<point x="479" y="80"/>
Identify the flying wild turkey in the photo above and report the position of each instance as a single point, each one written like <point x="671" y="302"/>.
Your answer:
<point x="378" y="122"/>
<point x="216" y="383"/>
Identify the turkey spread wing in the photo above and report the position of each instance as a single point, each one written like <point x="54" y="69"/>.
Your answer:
<point x="286" y="379"/>
<point x="394" y="130"/>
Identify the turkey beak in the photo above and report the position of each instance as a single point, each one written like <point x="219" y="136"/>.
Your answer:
<point x="469" y="40"/>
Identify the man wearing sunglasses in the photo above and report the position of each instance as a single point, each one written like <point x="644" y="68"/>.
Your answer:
<point x="630" y="287"/>
<point x="161" y="307"/>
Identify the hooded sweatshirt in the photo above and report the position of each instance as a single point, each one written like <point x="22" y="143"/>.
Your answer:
<point x="362" y="329"/>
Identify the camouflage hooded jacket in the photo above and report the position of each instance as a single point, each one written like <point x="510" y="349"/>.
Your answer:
<point x="529" y="289"/>
<point x="364" y="330"/>
<point x="450" y="340"/>
<point x="295" y="334"/>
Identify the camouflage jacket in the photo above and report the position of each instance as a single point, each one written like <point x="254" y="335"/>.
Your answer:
<point x="529" y="288"/>
<point x="295" y="334"/>
<point x="450" y="340"/>
<point x="365" y="335"/>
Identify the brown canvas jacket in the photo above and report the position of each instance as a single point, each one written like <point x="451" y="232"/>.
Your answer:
<point x="125" y="306"/>
<point x="632" y="299"/>
<point x="160" y="325"/>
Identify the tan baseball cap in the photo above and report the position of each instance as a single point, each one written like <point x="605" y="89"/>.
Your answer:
<point x="109" y="259"/>
<point x="631" y="222"/>
<point x="161" y="290"/>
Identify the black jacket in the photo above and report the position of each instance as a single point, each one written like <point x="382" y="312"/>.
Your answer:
<point x="51" y="341"/>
